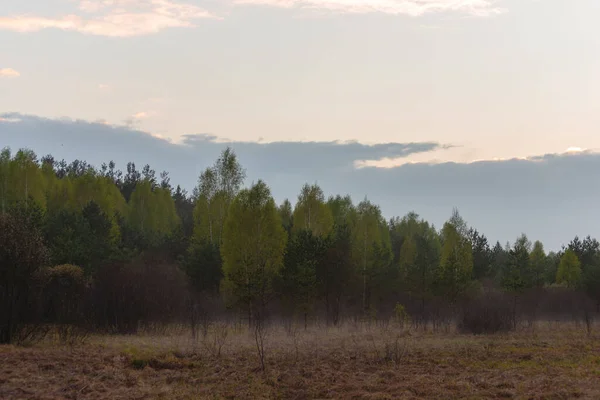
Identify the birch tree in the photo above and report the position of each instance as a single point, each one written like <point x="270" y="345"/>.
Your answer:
<point x="253" y="249"/>
<point x="370" y="234"/>
<point x="311" y="212"/>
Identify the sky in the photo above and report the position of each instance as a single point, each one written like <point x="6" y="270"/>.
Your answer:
<point x="422" y="105"/>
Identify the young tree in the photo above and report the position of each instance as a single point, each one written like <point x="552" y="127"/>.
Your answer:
<point x="27" y="179"/>
<point x="456" y="264"/>
<point x="152" y="212"/>
<point x="421" y="277"/>
<point x="539" y="264"/>
<point x="482" y="255"/>
<point x="185" y="210"/>
<point x="517" y="272"/>
<point x="206" y="211"/>
<point x="499" y="259"/>
<point x="130" y="181"/>
<point x="311" y="212"/>
<point x="402" y="229"/>
<point x="370" y="231"/>
<point x="569" y="270"/>
<point x="287" y="216"/>
<point x="202" y="265"/>
<point x="516" y="276"/>
<point x="341" y="208"/>
<point x="588" y="253"/>
<point x="305" y="252"/>
<point x="217" y="187"/>
<point x="335" y="272"/>
<point x="253" y="249"/>
<point x="81" y="237"/>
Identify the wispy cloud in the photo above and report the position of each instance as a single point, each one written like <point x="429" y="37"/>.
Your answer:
<point x="9" y="73"/>
<point x="114" y="18"/>
<point x="103" y="86"/>
<point x="444" y="155"/>
<point x="140" y="115"/>
<point x="413" y="8"/>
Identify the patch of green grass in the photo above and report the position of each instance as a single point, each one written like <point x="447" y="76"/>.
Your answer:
<point x="138" y="363"/>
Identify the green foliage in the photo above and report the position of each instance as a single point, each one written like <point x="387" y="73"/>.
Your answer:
<point x="311" y="212"/>
<point x="341" y="208"/>
<point x="287" y="216"/>
<point x="539" y="264"/>
<point x="588" y="253"/>
<point x="222" y="237"/>
<point x="516" y="275"/>
<point x="416" y="248"/>
<point x="85" y="238"/>
<point x="370" y="244"/>
<point x="482" y="255"/>
<point x="207" y="212"/>
<point x="569" y="270"/>
<point x="217" y="187"/>
<point x="253" y="248"/>
<point x="456" y="264"/>
<point x="421" y="278"/>
<point x="334" y="274"/>
<point x="152" y="212"/>
<point x="203" y="266"/>
<point x="401" y="316"/>
<point x="305" y="253"/>
<point x="21" y="180"/>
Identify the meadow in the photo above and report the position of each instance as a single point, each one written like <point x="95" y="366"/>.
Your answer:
<point x="546" y="360"/>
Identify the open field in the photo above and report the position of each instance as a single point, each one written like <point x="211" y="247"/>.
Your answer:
<point x="548" y="362"/>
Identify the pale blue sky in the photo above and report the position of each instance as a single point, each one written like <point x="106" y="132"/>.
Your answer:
<point x="466" y="80"/>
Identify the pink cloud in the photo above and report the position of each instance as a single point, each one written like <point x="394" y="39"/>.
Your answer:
<point x="413" y="8"/>
<point x="9" y="73"/>
<point x="140" y="115"/>
<point x="114" y="18"/>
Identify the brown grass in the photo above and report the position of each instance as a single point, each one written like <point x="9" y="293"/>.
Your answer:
<point x="348" y="363"/>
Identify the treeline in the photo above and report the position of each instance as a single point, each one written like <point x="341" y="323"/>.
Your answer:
<point x="114" y="251"/>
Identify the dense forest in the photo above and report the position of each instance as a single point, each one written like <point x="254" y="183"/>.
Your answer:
<point x="99" y="249"/>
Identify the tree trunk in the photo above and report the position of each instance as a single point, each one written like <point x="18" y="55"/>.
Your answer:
<point x="26" y="191"/>
<point x="514" y="313"/>
<point x="365" y="273"/>
<point x="305" y="321"/>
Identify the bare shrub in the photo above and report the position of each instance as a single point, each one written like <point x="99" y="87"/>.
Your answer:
<point x="200" y="315"/>
<point x="294" y="333"/>
<point x="72" y="335"/>
<point x="64" y="291"/>
<point x="401" y="316"/>
<point x="28" y="334"/>
<point x="22" y="253"/>
<point x="260" y="336"/>
<point x="485" y="314"/>
<point x="215" y="338"/>
<point x="147" y="293"/>
<point x="396" y="350"/>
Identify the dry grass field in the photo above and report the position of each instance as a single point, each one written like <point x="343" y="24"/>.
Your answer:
<point x="552" y="361"/>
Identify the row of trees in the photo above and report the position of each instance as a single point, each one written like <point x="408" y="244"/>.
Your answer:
<point x="321" y="256"/>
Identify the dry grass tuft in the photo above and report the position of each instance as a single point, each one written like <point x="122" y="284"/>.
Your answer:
<point x="317" y="363"/>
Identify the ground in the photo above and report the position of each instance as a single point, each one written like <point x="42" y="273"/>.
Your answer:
<point x="559" y="361"/>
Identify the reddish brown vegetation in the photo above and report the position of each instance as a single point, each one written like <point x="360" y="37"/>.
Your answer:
<point x="377" y="364"/>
